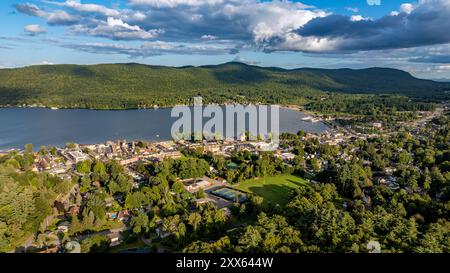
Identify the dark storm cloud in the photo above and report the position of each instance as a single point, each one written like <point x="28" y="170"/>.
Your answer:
<point x="427" y="24"/>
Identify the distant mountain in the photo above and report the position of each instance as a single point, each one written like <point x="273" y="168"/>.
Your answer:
<point x="118" y="86"/>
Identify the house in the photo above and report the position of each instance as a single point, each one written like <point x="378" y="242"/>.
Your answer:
<point x="77" y="156"/>
<point x="129" y="161"/>
<point x="63" y="227"/>
<point x="124" y="216"/>
<point x="211" y="147"/>
<point x="202" y="201"/>
<point x="73" y="210"/>
<point x="193" y="185"/>
<point x="221" y="180"/>
<point x="378" y="125"/>
<point x="54" y="249"/>
<point x="34" y="168"/>
<point x="267" y="146"/>
<point x="114" y="239"/>
<point x="287" y="156"/>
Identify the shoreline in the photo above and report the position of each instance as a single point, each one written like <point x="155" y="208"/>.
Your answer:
<point x="285" y="106"/>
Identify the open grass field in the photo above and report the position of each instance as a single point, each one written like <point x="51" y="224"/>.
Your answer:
<point x="273" y="189"/>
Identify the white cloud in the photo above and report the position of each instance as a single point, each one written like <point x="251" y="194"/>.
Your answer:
<point x="46" y="63"/>
<point x="443" y="67"/>
<point x="175" y="3"/>
<point x="356" y="18"/>
<point x="116" y="29"/>
<point x="352" y="9"/>
<point x="34" y="30"/>
<point x="60" y="17"/>
<point x="92" y="8"/>
<point x="209" y="37"/>
<point x="407" y="8"/>
<point x="56" y="17"/>
<point x="295" y="42"/>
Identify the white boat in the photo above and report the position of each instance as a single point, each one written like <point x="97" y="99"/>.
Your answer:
<point x="310" y="119"/>
<point x="54" y="108"/>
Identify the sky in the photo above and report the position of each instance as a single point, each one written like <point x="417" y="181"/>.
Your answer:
<point x="413" y="36"/>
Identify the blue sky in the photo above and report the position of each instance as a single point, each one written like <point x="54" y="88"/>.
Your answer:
<point x="410" y="35"/>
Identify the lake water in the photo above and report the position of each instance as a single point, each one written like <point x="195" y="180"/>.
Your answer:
<point x="41" y="126"/>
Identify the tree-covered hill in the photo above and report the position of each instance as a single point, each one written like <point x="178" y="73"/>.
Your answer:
<point x="118" y="86"/>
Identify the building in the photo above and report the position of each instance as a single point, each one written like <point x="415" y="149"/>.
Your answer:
<point x="377" y="125"/>
<point x="212" y="147"/>
<point x="73" y="210"/>
<point x="124" y="216"/>
<point x="63" y="227"/>
<point x="129" y="161"/>
<point x="77" y="156"/>
<point x="221" y="180"/>
<point x="287" y="156"/>
<point x="194" y="185"/>
<point x="202" y="201"/>
<point x="114" y="239"/>
<point x="163" y="155"/>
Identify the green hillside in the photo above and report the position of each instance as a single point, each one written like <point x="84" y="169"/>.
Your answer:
<point x="119" y="86"/>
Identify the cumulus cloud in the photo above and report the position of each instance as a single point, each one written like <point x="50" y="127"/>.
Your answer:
<point x="57" y="17"/>
<point x="237" y="25"/>
<point x="407" y="8"/>
<point x="89" y="8"/>
<point x="34" y="30"/>
<point x="355" y="18"/>
<point x="116" y="29"/>
<point x="243" y="21"/>
<point x="30" y="9"/>
<point x="425" y="24"/>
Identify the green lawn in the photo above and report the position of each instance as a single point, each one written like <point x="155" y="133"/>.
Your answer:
<point x="274" y="189"/>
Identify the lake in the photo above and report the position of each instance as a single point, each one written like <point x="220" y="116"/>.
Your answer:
<point x="42" y="126"/>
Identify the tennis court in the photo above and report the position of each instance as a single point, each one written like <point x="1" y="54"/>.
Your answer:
<point x="230" y="195"/>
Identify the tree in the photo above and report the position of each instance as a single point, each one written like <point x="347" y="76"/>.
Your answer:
<point x="28" y="148"/>
<point x="84" y="166"/>
<point x="201" y="194"/>
<point x="97" y="205"/>
<point x="250" y="239"/>
<point x="178" y="187"/>
<point x="140" y="223"/>
<point x="194" y="220"/>
<point x="99" y="170"/>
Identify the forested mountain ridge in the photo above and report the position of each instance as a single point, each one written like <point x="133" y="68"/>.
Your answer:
<point x="120" y="86"/>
